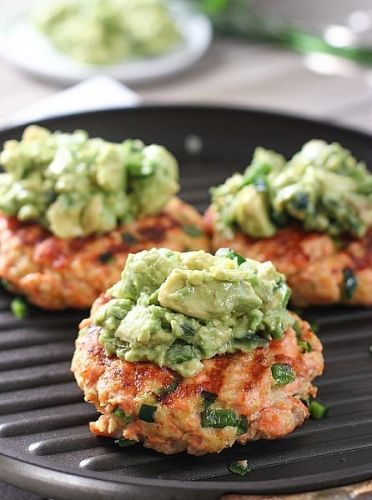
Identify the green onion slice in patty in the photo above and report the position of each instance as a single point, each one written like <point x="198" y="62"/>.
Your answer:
<point x="192" y="230"/>
<point x="168" y="389"/>
<point x="147" y="413"/>
<point x="126" y="419"/>
<point x="297" y="328"/>
<point x="242" y="426"/>
<point x="106" y="257"/>
<point x="221" y="418"/>
<point x="129" y="238"/>
<point x="283" y="373"/>
<point x="350" y="284"/>
<point x="305" y="345"/>
<point x="209" y="398"/>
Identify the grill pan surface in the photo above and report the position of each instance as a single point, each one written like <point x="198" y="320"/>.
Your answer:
<point x="45" y="445"/>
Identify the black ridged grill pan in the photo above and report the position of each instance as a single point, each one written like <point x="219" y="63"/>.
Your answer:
<point x="45" y="445"/>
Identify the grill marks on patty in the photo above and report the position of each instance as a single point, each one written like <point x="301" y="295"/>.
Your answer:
<point x="56" y="252"/>
<point x="286" y="244"/>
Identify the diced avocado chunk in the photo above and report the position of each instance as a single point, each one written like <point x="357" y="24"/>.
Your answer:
<point x="251" y="213"/>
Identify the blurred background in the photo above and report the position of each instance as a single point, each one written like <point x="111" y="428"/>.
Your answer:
<point x="312" y="58"/>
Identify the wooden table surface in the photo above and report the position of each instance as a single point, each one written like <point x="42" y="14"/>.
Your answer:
<point x="240" y="74"/>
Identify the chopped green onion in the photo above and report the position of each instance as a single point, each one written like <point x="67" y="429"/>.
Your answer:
<point x="230" y="254"/>
<point x="297" y="310"/>
<point x="187" y="329"/>
<point x="126" y="419"/>
<point x="242" y="426"/>
<point x="301" y="201"/>
<point x="19" y="308"/>
<point x="305" y="345"/>
<point x="147" y="413"/>
<point x="317" y="409"/>
<point x="168" y="389"/>
<point x="106" y="257"/>
<point x="259" y="170"/>
<point x="338" y="242"/>
<point x="350" y="284"/>
<point x="208" y="397"/>
<point x="141" y="170"/>
<point x="219" y="418"/>
<point x="213" y="7"/>
<point x="129" y="239"/>
<point x="124" y="443"/>
<point x="261" y="184"/>
<point x="314" y="326"/>
<point x="239" y="467"/>
<point x="192" y="230"/>
<point x="283" y="373"/>
<point x="297" y="328"/>
<point x="6" y="284"/>
<point x="279" y="219"/>
<point x="179" y="353"/>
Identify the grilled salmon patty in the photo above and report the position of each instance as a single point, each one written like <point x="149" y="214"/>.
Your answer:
<point x="241" y="382"/>
<point x="56" y="273"/>
<point x="317" y="270"/>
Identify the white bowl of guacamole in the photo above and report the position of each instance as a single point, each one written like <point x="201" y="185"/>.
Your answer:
<point x="177" y="47"/>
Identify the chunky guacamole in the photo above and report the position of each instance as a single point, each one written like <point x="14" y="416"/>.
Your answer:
<point x="107" y="31"/>
<point x="322" y="187"/>
<point x="176" y="309"/>
<point x="76" y="186"/>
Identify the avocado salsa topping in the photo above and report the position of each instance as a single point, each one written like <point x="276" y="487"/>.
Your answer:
<point x="75" y="186"/>
<point x="323" y="187"/>
<point x="176" y="309"/>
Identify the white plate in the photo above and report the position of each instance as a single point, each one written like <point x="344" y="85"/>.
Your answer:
<point x="22" y="45"/>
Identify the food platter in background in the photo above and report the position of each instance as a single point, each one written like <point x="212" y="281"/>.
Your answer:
<point x="22" y="45"/>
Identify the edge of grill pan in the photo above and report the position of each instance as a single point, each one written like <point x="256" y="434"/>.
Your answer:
<point x="45" y="481"/>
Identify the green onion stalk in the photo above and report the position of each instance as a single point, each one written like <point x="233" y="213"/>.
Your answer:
<point x="238" y="18"/>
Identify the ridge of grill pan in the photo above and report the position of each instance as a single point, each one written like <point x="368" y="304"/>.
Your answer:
<point x="45" y="444"/>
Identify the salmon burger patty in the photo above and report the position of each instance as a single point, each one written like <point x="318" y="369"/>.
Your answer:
<point x="310" y="215"/>
<point x="251" y="403"/>
<point x="56" y="273"/>
<point x="318" y="270"/>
